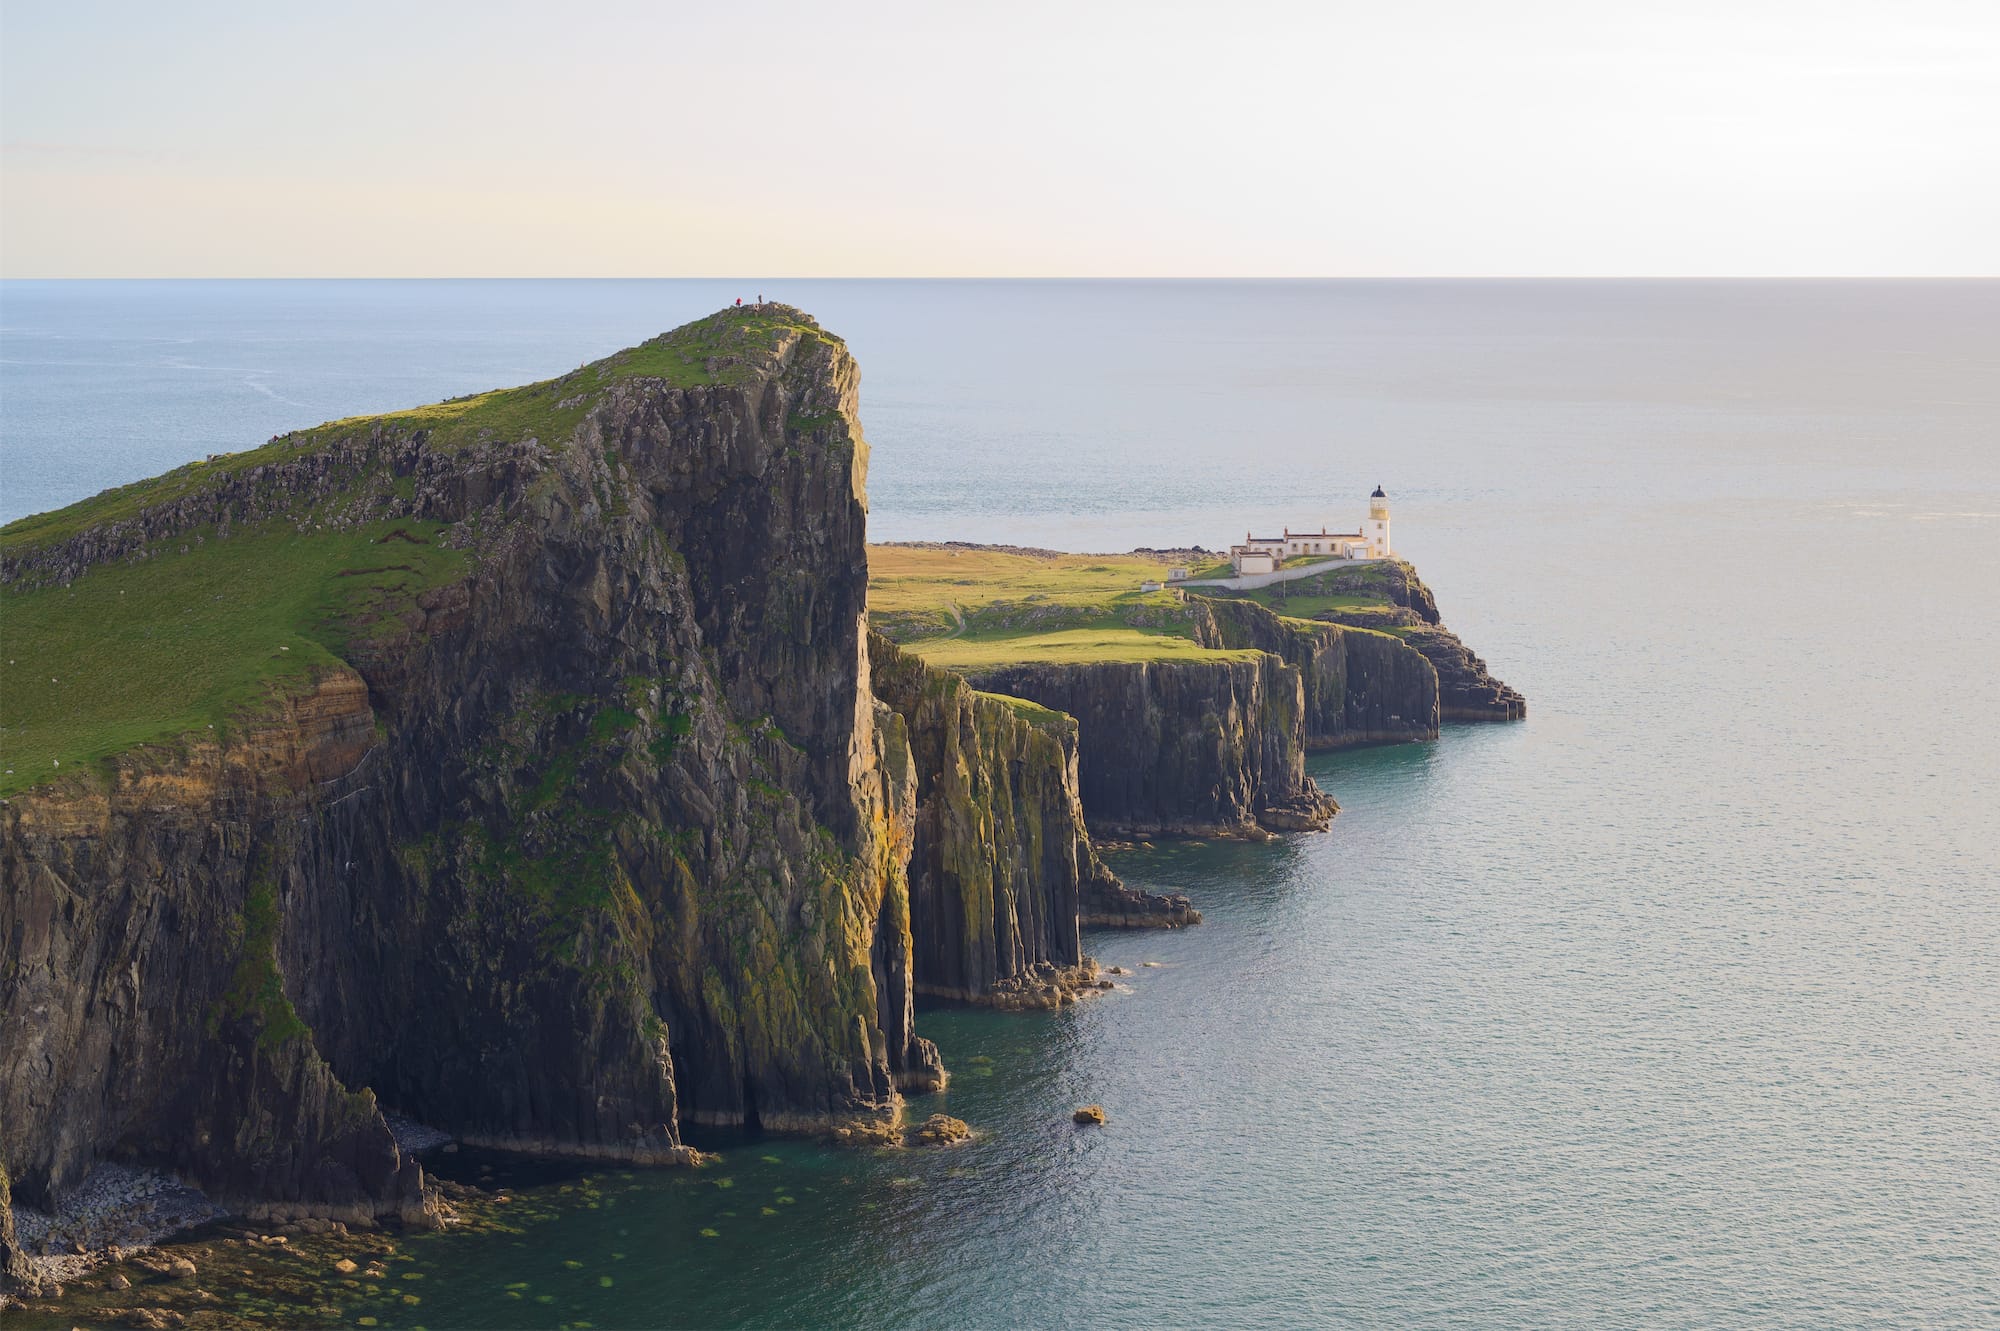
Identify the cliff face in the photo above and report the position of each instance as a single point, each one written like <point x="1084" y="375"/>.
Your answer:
<point x="606" y="836"/>
<point x="1217" y="748"/>
<point x="142" y="1008"/>
<point x="1359" y="687"/>
<point x="1002" y="872"/>
<point x="1466" y="691"/>
<point x="1193" y="748"/>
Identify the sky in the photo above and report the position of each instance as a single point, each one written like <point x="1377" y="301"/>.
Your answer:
<point x="778" y="138"/>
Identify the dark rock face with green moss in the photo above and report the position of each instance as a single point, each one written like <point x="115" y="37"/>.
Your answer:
<point x="1185" y="748"/>
<point x="1466" y="691"/>
<point x="1002" y="872"/>
<point x="1360" y="687"/>
<point x="1217" y="748"/>
<point x="605" y="835"/>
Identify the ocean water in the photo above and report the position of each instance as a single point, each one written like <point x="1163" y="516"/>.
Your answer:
<point x="1677" y="1005"/>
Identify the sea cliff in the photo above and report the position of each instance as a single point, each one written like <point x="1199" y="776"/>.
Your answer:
<point x="1402" y="606"/>
<point x="1186" y="748"/>
<point x="1002" y="872"/>
<point x="1359" y="686"/>
<point x="602" y="832"/>
<point x="1217" y="747"/>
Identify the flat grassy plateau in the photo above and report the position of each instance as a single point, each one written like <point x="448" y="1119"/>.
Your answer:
<point x="971" y="608"/>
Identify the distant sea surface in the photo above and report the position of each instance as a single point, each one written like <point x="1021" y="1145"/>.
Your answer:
<point x="1677" y="1005"/>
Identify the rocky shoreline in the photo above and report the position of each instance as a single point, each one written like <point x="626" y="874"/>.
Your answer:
<point x="122" y="1214"/>
<point x="184" y="1263"/>
<point x="118" y="1211"/>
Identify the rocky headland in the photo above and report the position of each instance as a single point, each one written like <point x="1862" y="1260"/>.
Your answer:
<point x="565" y="798"/>
<point x="1194" y="710"/>
<point x="1404" y="607"/>
<point x="567" y="814"/>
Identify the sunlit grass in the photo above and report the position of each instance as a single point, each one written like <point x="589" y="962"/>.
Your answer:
<point x="135" y="653"/>
<point x="1108" y="642"/>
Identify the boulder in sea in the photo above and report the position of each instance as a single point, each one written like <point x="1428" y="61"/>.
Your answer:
<point x="1089" y="1116"/>
<point x="943" y="1130"/>
<point x="862" y="1130"/>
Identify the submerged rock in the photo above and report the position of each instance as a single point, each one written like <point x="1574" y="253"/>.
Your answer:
<point x="862" y="1133"/>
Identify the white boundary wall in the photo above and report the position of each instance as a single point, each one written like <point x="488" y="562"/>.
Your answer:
<point x="1252" y="581"/>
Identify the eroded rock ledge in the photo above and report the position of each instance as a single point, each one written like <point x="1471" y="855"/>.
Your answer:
<point x="1466" y="690"/>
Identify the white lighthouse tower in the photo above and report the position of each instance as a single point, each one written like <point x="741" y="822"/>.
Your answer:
<point x="1378" y="524"/>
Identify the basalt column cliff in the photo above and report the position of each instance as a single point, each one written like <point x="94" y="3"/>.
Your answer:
<point x="1002" y="873"/>
<point x="595" y="827"/>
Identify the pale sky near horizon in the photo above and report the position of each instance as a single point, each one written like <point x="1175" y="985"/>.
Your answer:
<point x="782" y="138"/>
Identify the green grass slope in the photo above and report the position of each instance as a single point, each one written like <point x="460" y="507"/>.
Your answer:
<point x="131" y="654"/>
<point x="968" y="608"/>
<point x="1095" y="644"/>
<point x="143" y="651"/>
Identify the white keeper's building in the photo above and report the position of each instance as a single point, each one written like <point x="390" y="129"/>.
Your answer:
<point x="1265" y="554"/>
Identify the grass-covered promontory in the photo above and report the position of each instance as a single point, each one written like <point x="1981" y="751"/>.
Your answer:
<point x="137" y="653"/>
<point x="168" y="637"/>
<point x="1375" y="594"/>
<point x="971" y="607"/>
<point x="722" y="349"/>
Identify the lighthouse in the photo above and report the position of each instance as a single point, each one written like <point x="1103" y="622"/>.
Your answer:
<point x="1378" y="524"/>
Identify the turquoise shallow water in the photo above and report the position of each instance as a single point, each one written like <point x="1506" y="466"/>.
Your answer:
<point x="1674" y="1006"/>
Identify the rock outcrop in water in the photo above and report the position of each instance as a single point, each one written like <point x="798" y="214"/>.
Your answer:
<point x="606" y="836"/>
<point x="1002" y="873"/>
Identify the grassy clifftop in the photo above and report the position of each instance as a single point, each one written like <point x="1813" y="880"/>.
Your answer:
<point x="1377" y="586"/>
<point x="973" y="607"/>
<point x="181" y="622"/>
<point x="727" y="348"/>
<point x="131" y="654"/>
